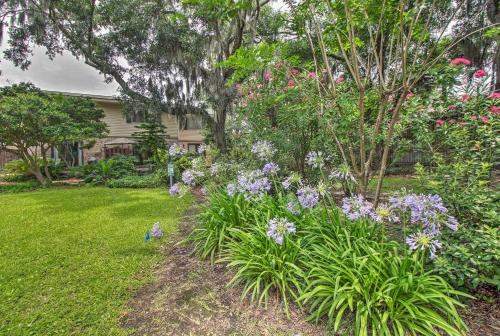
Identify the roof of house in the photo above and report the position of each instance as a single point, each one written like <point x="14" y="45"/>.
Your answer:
<point x="86" y="95"/>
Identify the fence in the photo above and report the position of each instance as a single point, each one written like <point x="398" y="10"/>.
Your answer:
<point x="6" y="157"/>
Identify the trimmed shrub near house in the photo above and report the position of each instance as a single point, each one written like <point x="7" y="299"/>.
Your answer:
<point x="136" y="181"/>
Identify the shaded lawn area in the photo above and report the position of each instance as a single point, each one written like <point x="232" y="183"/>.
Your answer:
<point x="393" y="184"/>
<point x="71" y="258"/>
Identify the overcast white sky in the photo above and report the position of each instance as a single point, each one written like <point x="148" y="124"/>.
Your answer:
<point x="64" y="73"/>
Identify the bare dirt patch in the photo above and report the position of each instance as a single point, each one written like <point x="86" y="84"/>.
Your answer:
<point x="190" y="297"/>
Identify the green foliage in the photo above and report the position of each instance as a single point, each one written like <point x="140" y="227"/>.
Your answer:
<point x="150" y="138"/>
<point x="19" y="167"/>
<point x="387" y="293"/>
<point x="133" y="181"/>
<point x="20" y="186"/>
<point x="471" y="257"/>
<point x="104" y="170"/>
<point x="81" y="255"/>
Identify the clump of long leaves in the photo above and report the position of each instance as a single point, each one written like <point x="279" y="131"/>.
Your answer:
<point x="388" y="293"/>
<point x="221" y="213"/>
<point x="264" y="267"/>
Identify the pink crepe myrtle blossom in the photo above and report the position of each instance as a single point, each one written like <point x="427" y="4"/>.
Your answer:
<point x="237" y="85"/>
<point x="479" y="73"/>
<point x="439" y="122"/>
<point x="494" y="109"/>
<point x="460" y="61"/>
<point x="451" y="121"/>
<point x="465" y="97"/>
<point x="312" y="75"/>
<point x="339" y="79"/>
<point x="452" y="107"/>
<point x="494" y="95"/>
<point x="268" y="75"/>
<point x="291" y="83"/>
<point x="485" y="119"/>
<point x="473" y="117"/>
<point x="409" y="94"/>
<point x="462" y="124"/>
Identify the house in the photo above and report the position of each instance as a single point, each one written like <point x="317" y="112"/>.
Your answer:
<point x="119" y="140"/>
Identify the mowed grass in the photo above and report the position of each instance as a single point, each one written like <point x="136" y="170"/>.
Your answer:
<point x="70" y="259"/>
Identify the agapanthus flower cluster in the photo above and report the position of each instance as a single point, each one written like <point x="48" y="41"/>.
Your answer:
<point x="384" y="214"/>
<point x="156" y="231"/>
<point x="308" y="197"/>
<point x="315" y="159"/>
<point x="424" y="240"/>
<point x="341" y="175"/>
<point x="203" y="148"/>
<point x="277" y="228"/>
<point x="253" y="183"/>
<point x="293" y="207"/>
<point x="189" y="176"/>
<point x="357" y="207"/>
<point x="293" y="178"/>
<point x="178" y="189"/>
<point x="175" y="150"/>
<point x="215" y="168"/>
<point x="425" y="209"/>
<point x="264" y="150"/>
<point x="270" y="168"/>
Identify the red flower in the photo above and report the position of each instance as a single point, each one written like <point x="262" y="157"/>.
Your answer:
<point x="268" y="75"/>
<point x="452" y="107"/>
<point x="237" y="85"/>
<point x="291" y="83"/>
<point x="485" y="119"/>
<point x="465" y="97"/>
<point x="312" y="75"/>
<point x="494" y="109"/>
<point x="462" y="124"/>
<point x="479" y="73"/>
<point x="451" y="121"/>
<point x="409" y="94"/>
<point x="439" y="122"/>
<point x="339" y="79"/>
<point x="494" y="95"/>
<point x="460" y="61"/>
<point x="473" y="117"/>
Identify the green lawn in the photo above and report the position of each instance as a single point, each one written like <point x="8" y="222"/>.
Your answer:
<point x="395" y="183"/>
<point x="70" y="259"/>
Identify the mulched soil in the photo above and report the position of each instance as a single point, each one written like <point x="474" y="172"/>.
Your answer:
<point x="190" y="297"/>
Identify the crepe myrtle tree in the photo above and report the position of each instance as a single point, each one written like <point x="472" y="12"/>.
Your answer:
<point x="32" y="122"/>
<point x="386" y="49"/>
<point x="163" y="53"/>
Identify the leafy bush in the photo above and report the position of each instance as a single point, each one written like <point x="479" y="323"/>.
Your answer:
<point x="388" y="294"/>
<point x="471" y="257"/>
<point x="220" y="215"/>
<point x="104" y="170"/>
<point x="21" y="186"/>
<point x="136" y="181"/>
<point x="19" y="167"/>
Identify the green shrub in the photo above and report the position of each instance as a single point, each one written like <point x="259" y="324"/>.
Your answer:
<point x="387" y="293"/>
<point x="19" y="167"/>
<point x="136" y="181"/>
<point x="19" y="187"/>
<point x="105" y="170"/>
<point x="471" y="257"/>
<point x="221" y="213"/>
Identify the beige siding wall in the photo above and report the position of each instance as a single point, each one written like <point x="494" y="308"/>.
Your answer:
<point x="114" y="118"/>
<point x="171" y="124"/>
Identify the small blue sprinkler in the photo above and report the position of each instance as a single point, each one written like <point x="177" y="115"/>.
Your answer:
<point x="148" y="236"/>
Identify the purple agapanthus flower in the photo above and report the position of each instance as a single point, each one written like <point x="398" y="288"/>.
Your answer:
<point x="315" y="159"/>
<point x="215" y="168"/>
<point x="383" y="214"/>
<point x="253" y="183"/>
<point x="293" y="207"/>
<point x="308" y="197"/>
<point x="279" y="227"/>
<point x="188" y="177"/>
<point x="287" y="182"/>
<point x="156" y="231"/>
<point x="424" y="241"/>
<point x="176" y="150"/>
<point x="175" y="189"/>
<point x="231" y="189"/>
<point x="270" y="168"/>
<point x="264" y="150"/>
<point x="356" y="207"/>
<point x="341" y="176"/>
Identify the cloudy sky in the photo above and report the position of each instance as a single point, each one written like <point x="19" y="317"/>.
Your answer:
<point x="64" y="73"/>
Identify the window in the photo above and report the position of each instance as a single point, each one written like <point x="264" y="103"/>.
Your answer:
<point x="134" y="117"/>
<point x="193" y="122"/>
<point x="193" y="148"/>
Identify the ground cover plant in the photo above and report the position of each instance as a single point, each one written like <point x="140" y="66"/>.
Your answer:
<point x="71" y="258"/>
